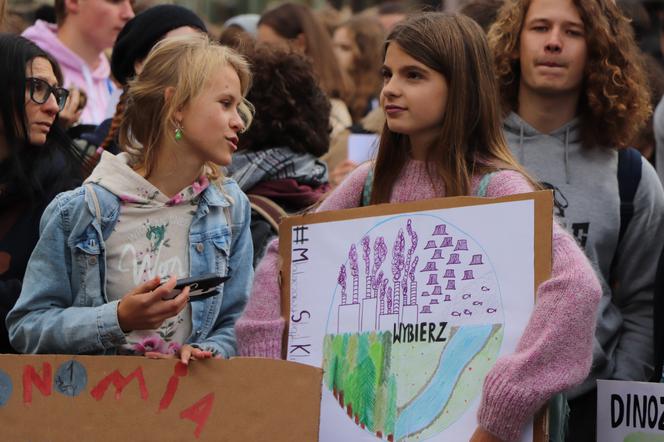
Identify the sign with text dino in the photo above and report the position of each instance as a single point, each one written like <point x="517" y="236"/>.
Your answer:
<point x="407" y="307"/>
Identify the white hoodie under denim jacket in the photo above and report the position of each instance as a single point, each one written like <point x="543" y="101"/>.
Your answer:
<point x="63" y="306"/>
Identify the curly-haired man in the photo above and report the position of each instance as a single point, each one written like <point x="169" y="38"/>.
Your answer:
<point x="573" y="86"/>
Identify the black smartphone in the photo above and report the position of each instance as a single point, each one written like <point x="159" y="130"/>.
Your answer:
<point x="200" y="287"/>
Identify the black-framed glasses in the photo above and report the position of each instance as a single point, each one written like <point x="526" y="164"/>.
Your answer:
<point x="40" y="90"/>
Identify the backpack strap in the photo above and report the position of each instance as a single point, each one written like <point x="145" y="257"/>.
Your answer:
<point x="366" y="191"/>
<point x="484" y="184"/>
<point x="268" y="209"/>
<point x="629" y="177"/>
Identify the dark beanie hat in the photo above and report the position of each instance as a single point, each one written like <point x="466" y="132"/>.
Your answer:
<point x="143" y="31"/>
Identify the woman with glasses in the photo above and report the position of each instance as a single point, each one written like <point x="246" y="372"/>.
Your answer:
<point x="37" y="160"/>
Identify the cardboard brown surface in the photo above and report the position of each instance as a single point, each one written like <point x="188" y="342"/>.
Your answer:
<point x="244" y="399"/>
<point x="543" y="203"/>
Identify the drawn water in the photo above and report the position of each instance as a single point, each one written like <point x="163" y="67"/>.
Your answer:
<point x="460" y="350"/>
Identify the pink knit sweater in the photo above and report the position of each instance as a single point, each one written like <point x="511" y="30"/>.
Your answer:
<point x="554" y="352"/>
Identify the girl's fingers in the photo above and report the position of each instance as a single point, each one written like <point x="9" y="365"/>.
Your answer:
<point x="157" y="355"/>
<point x="185" y="354"/>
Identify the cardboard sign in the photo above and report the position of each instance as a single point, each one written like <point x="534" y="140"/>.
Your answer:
<point x="406" y="307"/>
<point x="109" y="398"/>
<point x="630" y="411"/>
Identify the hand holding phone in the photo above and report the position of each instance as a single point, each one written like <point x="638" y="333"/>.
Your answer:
<point x="200" y="287"/>
<point x="144" y="308"/>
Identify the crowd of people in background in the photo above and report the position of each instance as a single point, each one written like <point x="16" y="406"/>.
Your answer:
<point x="139" y="145"/>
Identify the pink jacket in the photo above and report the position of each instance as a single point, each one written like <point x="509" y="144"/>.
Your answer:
<point x="96" y="84"/>
<point x="555" y="351"/>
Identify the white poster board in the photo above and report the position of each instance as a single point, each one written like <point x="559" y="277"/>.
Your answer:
<point x="630" y="411"/>
<point x="362" y="147"/>
<point x="407" y="311"/>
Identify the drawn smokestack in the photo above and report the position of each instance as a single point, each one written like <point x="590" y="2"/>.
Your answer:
<point x="440" y="230"/>
<point x="477" y="260"/>
<point x="449" y="273"/>
<point x="467" y="274"/>
<point x="447" y="242"/>
<point x="450" y="285"/>
<point x="430" y="267"/>
<point x="431" y="244"/>
<point x="454" y="259"/>
<point x="447" y="298"/>
<point x="433" y="279"/>
<point x="462" y="244"/>
<point x="437" y="254"/>
<point x="437" y="291"/>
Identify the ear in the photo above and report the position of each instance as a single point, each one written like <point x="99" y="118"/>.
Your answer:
<point x="72" y="6"/>
<point x="168" y="95"/>
<point x="300" y="43"/>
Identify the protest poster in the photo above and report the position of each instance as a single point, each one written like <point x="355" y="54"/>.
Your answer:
<point x="630" y="411"/>
<point x="109" y="398"/>
<point x="406" y="307"/>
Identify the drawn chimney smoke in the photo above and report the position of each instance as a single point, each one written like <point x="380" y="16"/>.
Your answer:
<point x="467" y="274"/>
<point x="477" y="260"/>
<point x="431" y="244"/>
<point x="437" y="254"/>
<point x="440" y="230"/>
<point x="437" y="291"/>
<point x="454" y="259"/>
<point x="434" y="301"/>
<point x="433" y="279"/>
<point x="450" y="285"/>
<point x="430" y="267"/>
<point x="426" y="309"/>
<point x="447" y="242"/>
<point x="462" y="244"/>
<point x="447" y="298"/>
<point x="449" y="273"/>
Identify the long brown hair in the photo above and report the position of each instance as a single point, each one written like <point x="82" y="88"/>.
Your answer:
<point x="183" y="63"/>
<point x="290" y="20"/>
<point x="615" y="102"/>
<point x="368" y="35"/>
<point x="470" y="140"/>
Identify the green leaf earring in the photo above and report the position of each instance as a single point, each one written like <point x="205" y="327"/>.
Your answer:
<point x="178" y="133"/>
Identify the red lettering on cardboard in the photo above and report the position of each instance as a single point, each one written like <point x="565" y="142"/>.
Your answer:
<point x="43" y="383"/>
<point x="120" y="382"/>
<point x="179" y="370"/>
<point x="199" y="413"/>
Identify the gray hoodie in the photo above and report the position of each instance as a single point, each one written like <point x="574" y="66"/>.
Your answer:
<point x="588" y="205"/>
<point x="658" y="125"/>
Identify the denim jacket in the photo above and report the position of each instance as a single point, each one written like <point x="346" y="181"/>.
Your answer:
<point x="63" y="306"/>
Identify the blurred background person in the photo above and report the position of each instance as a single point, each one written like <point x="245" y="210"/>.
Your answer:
<point x="277" y="163"/>
<point x="37" y="160"/>
<point x="84" y="30"/>
<point x="295" y="27"/>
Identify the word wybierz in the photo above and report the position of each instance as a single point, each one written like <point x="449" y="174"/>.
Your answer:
<point x="419" y="332"/>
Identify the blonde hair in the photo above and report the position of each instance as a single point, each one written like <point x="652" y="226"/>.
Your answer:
<point x="183" y="63"/>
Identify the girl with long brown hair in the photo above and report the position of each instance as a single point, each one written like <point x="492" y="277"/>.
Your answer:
<point x="358" y="45"/>
<point x="443" y="138"/>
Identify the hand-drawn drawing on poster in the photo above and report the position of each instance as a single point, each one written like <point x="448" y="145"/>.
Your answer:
<point x="407" y="313"/>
